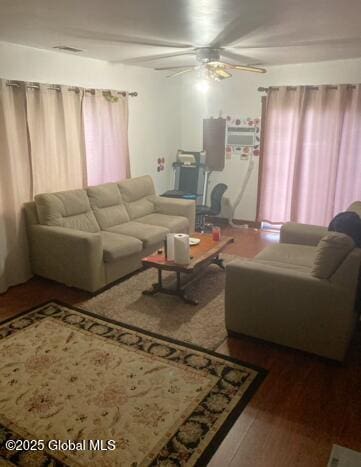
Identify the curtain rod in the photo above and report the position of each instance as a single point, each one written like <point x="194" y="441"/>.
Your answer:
<point x="72" y="88"/>
<point x="294" y="88"/>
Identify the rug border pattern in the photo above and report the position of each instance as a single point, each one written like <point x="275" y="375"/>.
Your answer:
<point x="235" y="411"/>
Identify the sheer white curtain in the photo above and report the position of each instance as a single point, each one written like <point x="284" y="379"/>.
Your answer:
<point x="105" y="117"/>
<point x="43" y="148"/>
<point x="56" y="138"/>
<point x="15" y="186"/>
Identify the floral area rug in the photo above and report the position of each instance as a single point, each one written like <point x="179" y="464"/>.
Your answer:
<point x="113" y="394"/>
<point x="167" y="315"/>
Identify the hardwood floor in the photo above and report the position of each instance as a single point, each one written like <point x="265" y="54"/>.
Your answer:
<point x="304" y="405"/>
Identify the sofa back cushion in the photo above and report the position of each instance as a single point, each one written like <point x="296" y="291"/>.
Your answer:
<point x="137" y="194"/>
<point x="69" y="209"/>
<point x="108" y="207"/>
<point x="331" y="250"/>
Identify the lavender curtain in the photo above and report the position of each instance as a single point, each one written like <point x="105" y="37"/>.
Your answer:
<point x="105" y="117"/>
<point x="311" y="156"/>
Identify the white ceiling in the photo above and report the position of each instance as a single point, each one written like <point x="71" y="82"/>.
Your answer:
<point x="144" y="32"/>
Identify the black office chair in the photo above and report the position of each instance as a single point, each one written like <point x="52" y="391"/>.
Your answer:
<point x="214" y="209"/>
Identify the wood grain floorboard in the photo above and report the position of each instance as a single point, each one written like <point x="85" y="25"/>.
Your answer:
<point x="304" y="405"/>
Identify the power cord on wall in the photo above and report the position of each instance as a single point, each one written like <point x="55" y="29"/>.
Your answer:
<point x="231" y="208"/>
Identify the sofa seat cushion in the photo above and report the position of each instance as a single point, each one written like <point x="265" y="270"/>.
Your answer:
<point x="149" y="235"/>
<point x="107" y="204"/>
<point x="70" y="209"/>
<point x="177" y="224"/>
<point x="116" y="246"/>
<point x="297" y="257"/>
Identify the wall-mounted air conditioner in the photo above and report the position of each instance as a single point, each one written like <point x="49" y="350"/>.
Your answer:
<point x="240" y="136"/>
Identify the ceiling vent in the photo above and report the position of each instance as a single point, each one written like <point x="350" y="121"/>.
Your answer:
<point x="68" y="49"/>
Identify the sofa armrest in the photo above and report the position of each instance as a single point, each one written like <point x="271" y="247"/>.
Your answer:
<point x="72" y="257"/>
<point x="302" y="234"/>
<point x="176" y="207"/>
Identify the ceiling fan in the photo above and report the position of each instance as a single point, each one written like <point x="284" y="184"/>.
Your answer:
<point x="214" y="61"/>
<point x="209" y="64"/>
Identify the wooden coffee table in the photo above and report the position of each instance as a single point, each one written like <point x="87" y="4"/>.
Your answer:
<point x="205" y="253"/>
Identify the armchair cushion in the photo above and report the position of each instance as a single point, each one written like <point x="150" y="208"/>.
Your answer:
<point x="330" y="252"/>
<point x="288" y="256"/>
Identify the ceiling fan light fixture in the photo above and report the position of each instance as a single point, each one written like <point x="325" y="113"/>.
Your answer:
<point x="202" y="86"/>
<point x="207" y="54"/>
<point x="210" y="67"/>
<point x="221" y="73"/>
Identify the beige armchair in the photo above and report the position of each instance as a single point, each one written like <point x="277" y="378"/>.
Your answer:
<point x="297" y="294"/>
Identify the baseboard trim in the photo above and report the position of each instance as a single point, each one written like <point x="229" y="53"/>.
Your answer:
<point x="224" y="221"/>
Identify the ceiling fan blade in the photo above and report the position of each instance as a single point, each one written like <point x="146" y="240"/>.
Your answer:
<point x="178" y="73"/>
<point x="150" y="58"/>
<point x="239" y="58"/>
<point x="122" y="39"/>
<point x="321" y="42"/>
<point x="178" y="67"/>
<point x="235" y="56"/>
<point x="246" y="18"/>
<point x="255" y="69"/>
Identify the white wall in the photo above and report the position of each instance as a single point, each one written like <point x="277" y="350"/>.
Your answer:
<point x="153" y="115"/>
<point x="238" y="97"/>
<point x="154" y="121"/>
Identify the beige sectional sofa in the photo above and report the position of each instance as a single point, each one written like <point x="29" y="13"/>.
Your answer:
<point x="299" y="294"/>
<point x="89" y="238"/>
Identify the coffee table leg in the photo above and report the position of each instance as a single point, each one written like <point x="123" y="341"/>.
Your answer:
<point x="157" y="287"/>
<point x="186" y="299"/>
<point x="182" y="294"/>
<point x="178" y="291"/>
<point x="219" y="262"/>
